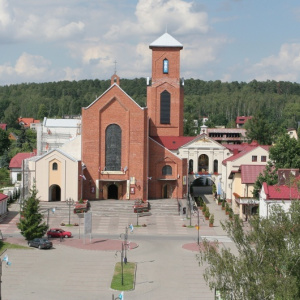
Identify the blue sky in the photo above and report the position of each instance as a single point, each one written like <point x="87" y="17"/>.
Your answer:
<point x="227" y="40"/>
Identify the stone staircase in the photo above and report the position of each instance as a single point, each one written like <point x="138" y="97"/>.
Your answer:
<point x="115" y="207"/>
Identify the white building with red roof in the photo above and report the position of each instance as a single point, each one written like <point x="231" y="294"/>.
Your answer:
<point x="245" y="154"/>
<point x="243" y="181"/>
<point x="271" y="195"/>
<point x="16" y="166"/>
<point x="3" y="204"/>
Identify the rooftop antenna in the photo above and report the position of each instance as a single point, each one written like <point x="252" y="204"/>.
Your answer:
<point x="166" y="28"/>
<point x="115" y="62"/>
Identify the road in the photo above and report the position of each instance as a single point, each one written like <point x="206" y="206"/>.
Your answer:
<point x="167" y="267"/>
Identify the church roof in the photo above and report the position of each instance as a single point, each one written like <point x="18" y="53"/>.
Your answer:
<point x="166" y="40"/>
<point x="173" y="142"/>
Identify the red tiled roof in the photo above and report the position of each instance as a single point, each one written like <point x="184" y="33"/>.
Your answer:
<point x="173" y="142"/>
<point x="3" y="126"/>
<point x="249" y="173"/>
<point x="27" y="121"/>
<point x="280" y="192"/>
<point x="3" y="197"/>
<point x="16" y="161"/>
<point x="242" y="119"/>
<point x="246" y="149"/>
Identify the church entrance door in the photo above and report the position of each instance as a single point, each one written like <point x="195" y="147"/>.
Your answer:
<point x="166" y="191"/>
<point x="112" y="192"/>
<point x="54" y="193"/>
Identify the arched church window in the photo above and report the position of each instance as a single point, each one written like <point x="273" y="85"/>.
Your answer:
<point x="166" y="66"/>
<point x="54" y="166"/>
<point x="167" y="170"/>
<point x="203" y="163"/>
<point x="215" y="166"/>
<point x="165" y="102"/>
<point x="113" y="138"/>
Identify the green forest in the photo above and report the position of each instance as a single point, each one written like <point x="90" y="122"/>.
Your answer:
<point x="221" y="102"/>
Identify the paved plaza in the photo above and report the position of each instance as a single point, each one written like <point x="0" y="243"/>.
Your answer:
<point x="82" y="267"/>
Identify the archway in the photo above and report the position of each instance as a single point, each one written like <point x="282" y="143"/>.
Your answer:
<point x="202" y="185"/>
<point x="54" y="193"/>
<point x="112" y="192"/>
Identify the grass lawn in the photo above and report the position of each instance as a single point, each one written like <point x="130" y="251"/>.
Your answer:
<point x="4" y="245"/>
<point x="128" y="277"/>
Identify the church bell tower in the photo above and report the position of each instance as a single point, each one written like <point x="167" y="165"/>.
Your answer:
<point x="165" y="90"/>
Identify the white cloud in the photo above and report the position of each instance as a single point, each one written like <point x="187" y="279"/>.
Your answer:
<point x="155" y="16"/>
<point x="28" y="68"/>
<point x="31" y="65"/>
<point x="6" y="15"/>
<point x="283" y="66"/>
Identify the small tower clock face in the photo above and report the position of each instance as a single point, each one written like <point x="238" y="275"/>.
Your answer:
<point x="166" y="66"/>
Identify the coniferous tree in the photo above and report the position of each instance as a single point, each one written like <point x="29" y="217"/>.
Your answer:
<point x="31" y="223"/>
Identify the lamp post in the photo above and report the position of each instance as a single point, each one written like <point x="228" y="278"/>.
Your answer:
<point x="70" y="202"/>
<point x="125" y="243"/>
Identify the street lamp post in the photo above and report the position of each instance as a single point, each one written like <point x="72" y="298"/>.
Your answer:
<point x="70" y="202"/>
<point x="125" y="243"/>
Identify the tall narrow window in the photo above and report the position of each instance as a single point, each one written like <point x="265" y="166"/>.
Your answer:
<point x="165" y="101"/>
<point x="113" y="138"/>
<point x="166" y="66"/>
<point x="191" y="166"/>
<point x="215" y="166"/>
<point x="167" y="170"/>
<point x="54" y="166"/>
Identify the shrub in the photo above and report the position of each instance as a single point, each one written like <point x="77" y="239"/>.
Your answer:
<point x="211" y="219"/>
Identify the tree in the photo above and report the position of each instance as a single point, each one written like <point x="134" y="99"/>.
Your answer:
<point x="189" y="126"/>
<point x="286" y="152"/>
<point x="4" y="141"/>
<point x="31" y="225"/>
<point x="269" y="176"/>
<point x="4" y="160"/>
<point x="260" y="130"/>
<point x="268" y="262"/>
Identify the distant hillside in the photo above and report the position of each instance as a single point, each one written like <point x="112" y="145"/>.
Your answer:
<point x="221" y="102"/>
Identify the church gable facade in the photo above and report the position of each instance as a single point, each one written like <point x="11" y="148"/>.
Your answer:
<point x="114" y="147"/>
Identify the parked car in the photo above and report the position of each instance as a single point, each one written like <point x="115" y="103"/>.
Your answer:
<point x="58" y="232"/>
<point x="41" y="243"/>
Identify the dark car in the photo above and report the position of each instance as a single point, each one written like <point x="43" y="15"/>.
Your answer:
<point x="58" y="232"/>
<point x="41" y="243"/>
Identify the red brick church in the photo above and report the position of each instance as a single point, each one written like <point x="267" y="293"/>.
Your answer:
<point x="121" y="154"/>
